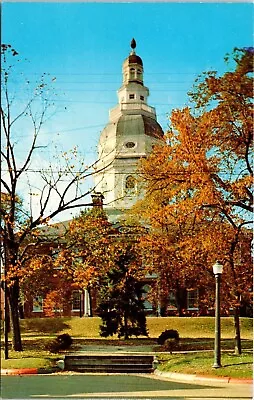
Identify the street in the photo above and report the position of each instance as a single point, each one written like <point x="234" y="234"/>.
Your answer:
<point x="85" y="386"/>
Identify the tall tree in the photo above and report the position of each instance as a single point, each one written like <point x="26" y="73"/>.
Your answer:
<point x="58" y="187"/>
<point x="121" y="298"/>
<point x="204" y="170"/>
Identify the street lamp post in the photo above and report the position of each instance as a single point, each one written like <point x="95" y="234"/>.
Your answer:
<point x="217" y="270"/>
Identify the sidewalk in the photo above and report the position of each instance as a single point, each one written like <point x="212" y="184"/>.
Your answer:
<point x="170" y="375"/>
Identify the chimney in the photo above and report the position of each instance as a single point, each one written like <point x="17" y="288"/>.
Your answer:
<point x="97" y="199"/>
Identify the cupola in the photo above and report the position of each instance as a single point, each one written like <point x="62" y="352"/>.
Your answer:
<point x="133" y="67"/>
<point x="133" y="92"/>
<point x="130" y="135"/>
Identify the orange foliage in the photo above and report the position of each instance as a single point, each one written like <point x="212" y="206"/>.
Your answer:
<point x="199" y="187"/>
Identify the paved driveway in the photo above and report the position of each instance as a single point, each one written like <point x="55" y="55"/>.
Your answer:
<point x="84" y="386"/>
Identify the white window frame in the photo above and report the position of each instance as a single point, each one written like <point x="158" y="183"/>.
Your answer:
<point x="191" y="299"/>
<point x="72" y="308"/>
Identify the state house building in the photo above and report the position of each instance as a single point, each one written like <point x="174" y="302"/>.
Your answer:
<point x="130" y="134"/>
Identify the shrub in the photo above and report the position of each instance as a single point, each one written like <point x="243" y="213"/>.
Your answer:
<point x="168" y="334"/>
<point x="61" y="342"/>
<point x="171" y="345"/>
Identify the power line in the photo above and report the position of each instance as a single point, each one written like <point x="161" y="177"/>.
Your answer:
<point x="79" y="128"/>
<point x="105" y="82"/>
<point x="107" y="73"/>
<point x="118" y="82"/>
<point x="116" y="173"/>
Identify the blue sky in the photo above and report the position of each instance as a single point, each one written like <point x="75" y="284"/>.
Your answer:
<point x="83" y="45"/>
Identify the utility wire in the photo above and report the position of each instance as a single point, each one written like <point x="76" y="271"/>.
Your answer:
<point x="114" y="173"/>
<point x="76" y="129"/>
<point x="88" y="73"/>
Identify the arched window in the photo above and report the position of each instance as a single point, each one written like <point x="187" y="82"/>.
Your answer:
<point x="130" y="185"/>
<point x="132" y="73"/>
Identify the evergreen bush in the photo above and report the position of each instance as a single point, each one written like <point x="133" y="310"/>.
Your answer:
<point x="121" y="305"/>
<point x="168" y="334"/>
<point x="61" y="342"/>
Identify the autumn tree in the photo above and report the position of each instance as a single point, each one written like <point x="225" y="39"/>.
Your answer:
<point x="85" y="253"/>
<point x="169" y="254"/>
<point x="203" y="175"/>
<point x="106" y="261"/>
<point x="58" y="187"/>
<point x="40" y="277"/>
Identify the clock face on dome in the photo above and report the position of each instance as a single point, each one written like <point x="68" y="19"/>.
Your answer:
<point x="130" y="145"/>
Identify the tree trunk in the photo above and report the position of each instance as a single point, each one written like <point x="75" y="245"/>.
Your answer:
<point x="14" y="308"/>
<point x="238" y="347"/>
<point x="90" y="301"/>
<point x="126" y="336"/>
<point x="179" y="296"/>
<point x="6" y="323"/>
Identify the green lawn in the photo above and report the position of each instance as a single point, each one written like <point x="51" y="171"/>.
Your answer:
<point x="188" y="327"/>
<point x="195" y="334"/>
<point x="201" y="364"/>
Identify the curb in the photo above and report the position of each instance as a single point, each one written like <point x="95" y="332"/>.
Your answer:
<point x="201" y="378"/>
<point x="171" y="375"/>
<point x="20" y="371"/>
<point x="28" y="371"/>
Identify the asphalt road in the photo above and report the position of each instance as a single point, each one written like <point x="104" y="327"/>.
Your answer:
<point x="84" y="386"/>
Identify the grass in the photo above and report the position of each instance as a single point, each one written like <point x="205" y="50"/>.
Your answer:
<point x="201" y="364"/>
<point x="29" y="359"/>
<point x="196" y="333"/>
<point x="187" y="327"/>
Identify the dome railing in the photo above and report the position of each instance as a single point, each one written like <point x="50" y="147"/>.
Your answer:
<point x="125" y="108"/>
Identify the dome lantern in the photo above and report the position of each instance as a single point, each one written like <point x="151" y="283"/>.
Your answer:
<point x="133" y="67"/>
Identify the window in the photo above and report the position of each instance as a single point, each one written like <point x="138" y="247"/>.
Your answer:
<point x="132" y="73"/>
<point x="147" y="303"/>
<point x="142" y="98"/>
<point x="38" y="304"/>
<point x="139" y="74"/>
<point x="130" y="182"/>
<point x="76" y="300"/>
<point x="192" y="299"/>
<point x="130" y="145"/>
<point x="132" y="96"/>
<point x="130" y="185"/>
<point x="172" y="301"/>
<point x="55" y="254"/>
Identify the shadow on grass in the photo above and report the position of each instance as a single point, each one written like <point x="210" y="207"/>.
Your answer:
<point x="208" y="344"/>
<point x="240" y="363"/>
<point x="185" y="344"/>
<point x="44" y="325"/>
